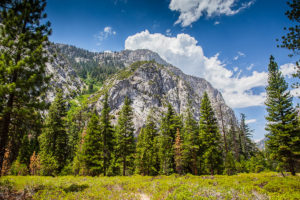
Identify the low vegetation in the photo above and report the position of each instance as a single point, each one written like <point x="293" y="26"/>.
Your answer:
<point x="242" y="186"/>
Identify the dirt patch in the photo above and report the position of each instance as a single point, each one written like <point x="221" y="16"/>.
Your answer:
<point x="144" y="196"/>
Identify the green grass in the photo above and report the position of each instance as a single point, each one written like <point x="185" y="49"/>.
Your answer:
<point x="242" y="186"/>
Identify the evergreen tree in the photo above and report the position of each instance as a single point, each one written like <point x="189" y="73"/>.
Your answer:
<point x="25" y="151"/>
<point x="178" y="153"/>
<point x="141" y="154"/>
<point x="210" y="137"/>
<point x="54" y="138"/>
<point x="125" y="143"/>
<point x="147" y="162"/>
<point x="92" y="148"/>
<point x="283" y="128"/>
<point x="22" y="65"/>
<point x="191" y="143"/>
<point x="230" y="168"/>
<point x="169" y="124"/>
<point x="107" y="134"/>
<point x="233" y="141"/>
<point x="291" y="40"/>
<point x="247" y="147"/>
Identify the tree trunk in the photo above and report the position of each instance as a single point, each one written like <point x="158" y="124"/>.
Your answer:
<point x="195" y="164"/>
<point x="292" y="168"/>
<point x="124" y="166"/>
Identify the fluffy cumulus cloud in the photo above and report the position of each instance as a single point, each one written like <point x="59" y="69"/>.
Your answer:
<point x="184" y="52"/>
<point x="104" y="34"/>
<point x="288" y="69"/>
<point x="295" y="92"/>
<point x="191" y="10"/>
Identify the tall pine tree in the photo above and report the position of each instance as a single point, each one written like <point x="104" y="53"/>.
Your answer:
<point x="233" y="140"/>
<point x="22" y="65"/>
<point x="178" y="151"/>
<point x="54" y="138"/>
<point x="92" y="148"/>
<point x="191" y="143"/>
<point x="169" y="124"/>
<point x="146" y="160"/>
<point x="283" y="127"/>
<point x="210" y="137"/>
<point x="125" y="143"/>
<point x="107" y="134"/>
<point x="247" y="147"/>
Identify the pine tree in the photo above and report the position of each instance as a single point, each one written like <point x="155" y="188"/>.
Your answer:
<point x="54" y="138"/>
<point x="107" y="134"/>
<point x="25" y="151"/>
<point x="178" y="153"/>
<point x="92" y="148"/>
<point x="233" y="141"/>
<point x="146" y="149"/>
<point x="210" y="137"/>
<point x="283" y="128"/>
<point x="169" y="124"/>
<point x="230" y="168"/>
<point x="22" y="65"/>
<point x="141" y="154"/>
<point x="125" y="143"/>
<point x="191" y="143"/>
<point x="247" y="147"/>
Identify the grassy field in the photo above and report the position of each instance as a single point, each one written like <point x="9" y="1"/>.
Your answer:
<point x="242" y="186"/>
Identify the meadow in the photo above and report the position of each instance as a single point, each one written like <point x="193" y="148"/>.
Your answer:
<point x="242" y="186"/>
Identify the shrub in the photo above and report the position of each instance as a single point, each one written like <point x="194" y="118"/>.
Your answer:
<point x="19" y="169"/>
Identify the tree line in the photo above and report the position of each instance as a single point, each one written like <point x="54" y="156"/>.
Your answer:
<point x="178" y="144"/>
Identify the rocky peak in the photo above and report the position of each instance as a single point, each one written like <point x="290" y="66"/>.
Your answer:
<point x="151" y="86"/>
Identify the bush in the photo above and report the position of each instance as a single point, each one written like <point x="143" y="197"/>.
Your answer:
<point x="49" y="165"/>
<point x="19" y="169"/>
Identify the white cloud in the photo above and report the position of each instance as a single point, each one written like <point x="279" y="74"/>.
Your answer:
<point x="107" y="31"/>
<point x="191" y="10"/>
<point x="250" y="67"/>
<point x="184" y="52"/>
<point x="235" y="69"/>
<point x="288" y="69"/>
<point x="168" y="32"/>
<point x="295" y="92"/>
<point x="249" y="121"/>
<point x="216" y="23"/>
<point x="240" y="54"/>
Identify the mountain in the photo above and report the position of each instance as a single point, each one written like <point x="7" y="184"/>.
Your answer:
<point x="63" y="74"/>
<point x="150" y="85"/>
<point x="143" y="76"/>
<point x="97" y="67"/>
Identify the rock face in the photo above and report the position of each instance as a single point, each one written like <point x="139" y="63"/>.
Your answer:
<point x="63" y="75"/>
<point x="150" y="85"/>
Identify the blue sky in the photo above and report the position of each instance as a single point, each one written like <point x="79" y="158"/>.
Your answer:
<point x="227" y="42"/>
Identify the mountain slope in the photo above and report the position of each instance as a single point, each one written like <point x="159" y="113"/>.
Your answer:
<point x="150" y="85"/>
